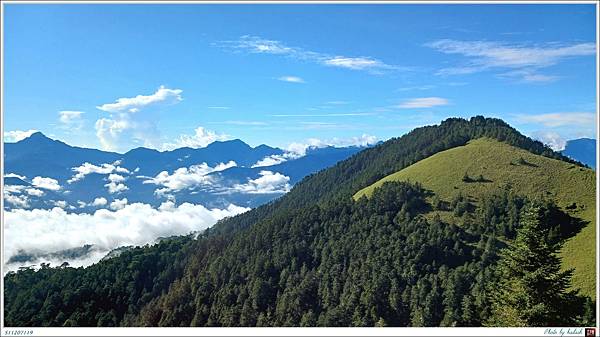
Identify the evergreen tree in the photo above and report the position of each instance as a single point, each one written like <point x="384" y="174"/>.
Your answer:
<point x="533" y="291"/>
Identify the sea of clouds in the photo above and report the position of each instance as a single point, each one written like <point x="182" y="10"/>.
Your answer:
<point x="40" y="231"/>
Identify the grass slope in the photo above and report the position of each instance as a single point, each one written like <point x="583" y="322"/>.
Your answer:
<point x="538" y="176"/>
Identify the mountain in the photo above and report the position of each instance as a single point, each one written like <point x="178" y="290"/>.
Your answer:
<point x="583" y="150"/>
<point x="412" y="253"/>
<point x="506" y="167"/>
<point x="196" y="175"/>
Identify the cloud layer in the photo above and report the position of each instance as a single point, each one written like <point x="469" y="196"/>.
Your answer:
<point x="45" y="231"/>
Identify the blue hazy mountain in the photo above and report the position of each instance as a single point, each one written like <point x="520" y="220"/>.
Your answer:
<point x="583" y="150"/>
<point x="40" y="156"/>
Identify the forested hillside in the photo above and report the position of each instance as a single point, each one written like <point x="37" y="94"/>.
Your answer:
<point x="318" y="257"/>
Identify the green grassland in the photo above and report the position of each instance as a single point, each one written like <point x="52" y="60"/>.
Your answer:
<point x="504" y="166"/>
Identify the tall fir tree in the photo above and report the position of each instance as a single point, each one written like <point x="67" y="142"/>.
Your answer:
<point x="533" y="290"/>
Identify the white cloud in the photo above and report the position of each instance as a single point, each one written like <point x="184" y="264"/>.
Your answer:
<point x="298" y="149"/>
<point x="424" y="102"/>
<point x="46" y="183"/>
<point x="276" y="159"/>
<point x="60" y="203"/>
<point x="291" y="79"/>
<point x="257" y="45"/>
<point x="115" y="184"/>
<point x="201" y="138"/>
<point x="14" y="188"/>
<point x="45" y="231"/>
<point x="14" y="175"/>
<point x="21" y="201"/>
<point x="116" y="187"/>
<point x="87" y="168"/>
<point x="551" y="138"/>
<point x="267" y="183"/>
<point x="134" y="104"/>
<point x="109" y="131"/>
<point x="116" y="178"/>
<point x="560" y="119"/>
<point x="131" y="121"/>
<point x="118" y="204"/>
<point x="70" y="117"/>
<point x="184" y="177"/>
<point x="17" y="135"/>
<point x="356" y="63"/>
<point x="99" y="202"/>
<point x="34" y="192"/>
<point x="484" y="55"/>
<point x="219" y="107"/>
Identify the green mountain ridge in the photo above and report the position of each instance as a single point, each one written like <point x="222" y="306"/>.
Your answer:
<point x="506" y="167"/>
<point x="318" y="257"/>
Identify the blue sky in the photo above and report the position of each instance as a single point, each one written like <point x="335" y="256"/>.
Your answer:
<point x="122" y="76"/>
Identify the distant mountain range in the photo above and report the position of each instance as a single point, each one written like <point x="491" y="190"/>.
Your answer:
<point x="583" y="150"/>
<point x="40" y="172"/>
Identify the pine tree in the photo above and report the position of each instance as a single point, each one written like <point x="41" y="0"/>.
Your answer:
<point x="533" y="291"/>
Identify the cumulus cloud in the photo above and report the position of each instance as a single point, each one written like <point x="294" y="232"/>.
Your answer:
<point x="201" y="138"/>
<point x="87" y="168"/>
<point x="118" y="204"/>
<point x="44" y="231"/>
<point x="34" y="192"/>
<point x="527" y="59"/>
<point x="258" y="45"/>
<point x="116" y="187"/>
<point x="130" y="120"/>
<point x="186" y="177"/>
<point x="17" y="135"/>
<point x="291" y="79"/>
<point x="115" y="183"/>
<point x="423" y="102"/>
<point x="46" y="183"/>
<point x="109" y="131"/>
<point x="551" y="138"/>
<point x="268" y="183"/>
<point x="60" y="203"/>
<point x="99" y="202"/>
<point x="20" y="201"/>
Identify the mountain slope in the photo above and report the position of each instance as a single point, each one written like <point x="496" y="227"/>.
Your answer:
<point x="583" y="150"/>
<point x="505" y="167"/>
